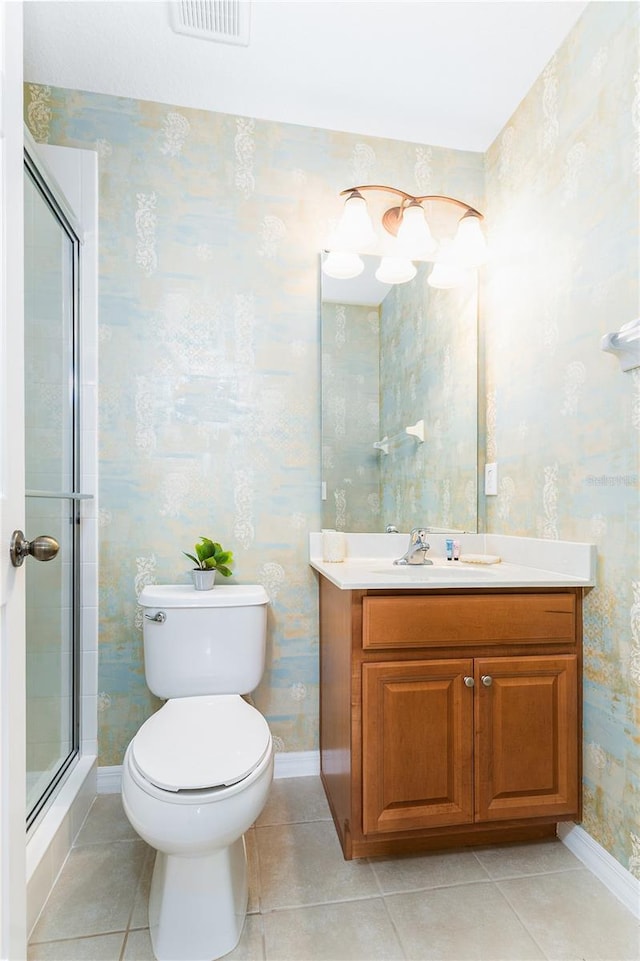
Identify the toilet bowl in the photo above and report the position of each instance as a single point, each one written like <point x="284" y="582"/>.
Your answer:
<point x="197" y="774"/>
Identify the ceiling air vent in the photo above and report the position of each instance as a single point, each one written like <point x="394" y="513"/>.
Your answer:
<point x="226" y="21"/>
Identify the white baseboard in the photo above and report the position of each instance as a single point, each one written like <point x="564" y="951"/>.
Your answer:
<point x="287" y="764"/>
<point x="613" y="875"/>
<point x="109" y="779"/>
<point x="296" y="764"/>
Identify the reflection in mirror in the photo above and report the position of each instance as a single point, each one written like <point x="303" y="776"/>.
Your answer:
<point x="391" y="357"/>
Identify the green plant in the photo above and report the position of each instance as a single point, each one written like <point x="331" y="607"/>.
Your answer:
<point x="211" y="557"/>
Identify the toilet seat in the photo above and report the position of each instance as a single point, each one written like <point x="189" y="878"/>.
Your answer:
<point x="201" y="743"/>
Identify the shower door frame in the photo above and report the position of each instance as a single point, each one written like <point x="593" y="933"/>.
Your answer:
<point x="74" y="172"/>
<point x="58" y="207"/>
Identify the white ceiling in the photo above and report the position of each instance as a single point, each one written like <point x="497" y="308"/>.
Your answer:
<point x="448" y="73"/>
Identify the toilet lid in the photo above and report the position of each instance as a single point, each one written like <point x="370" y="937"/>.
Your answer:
<point x="194" y="743"/>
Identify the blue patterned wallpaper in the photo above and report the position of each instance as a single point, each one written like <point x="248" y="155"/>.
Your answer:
<point x="210" y="232"/>
<point x="209" y="366"/>
<point x="351" y="417"/>
<point x="429" y="372"/>
<point x="412" y="359"/>
<point x="561" y="419"/>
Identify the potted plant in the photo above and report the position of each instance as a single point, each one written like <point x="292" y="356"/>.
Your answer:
<point x="209" y="558"/>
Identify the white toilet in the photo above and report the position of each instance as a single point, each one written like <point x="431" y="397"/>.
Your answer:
<point x="197" y="774"/>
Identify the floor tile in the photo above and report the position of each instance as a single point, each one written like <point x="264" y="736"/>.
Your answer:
<point x="293" y="800"/>
<point x="105" y="822"/>
<point x="104" y="947"/>
<point x="348" y="931"/>
<point x="94" y="893"/>
<point x="251" y="944"/>
<point x="417" y="872"/>
<point x="573" y="916"/>
<point x="302" y="864"/>
<point x="138" y="946"/>
<point x="470" y="922"/>
<point x="521" y="859"/>
<point x="522" y="902"/>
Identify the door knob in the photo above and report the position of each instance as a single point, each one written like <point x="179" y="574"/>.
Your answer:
<point x="469" y="682"/>
<point x="487" y="680"/>
<point x="43" y="548"/>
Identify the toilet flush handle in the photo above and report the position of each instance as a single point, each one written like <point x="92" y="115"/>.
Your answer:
<point x="160" y="617"/>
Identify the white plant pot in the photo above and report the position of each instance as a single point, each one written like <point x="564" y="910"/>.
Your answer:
<point x="203" y="580"/>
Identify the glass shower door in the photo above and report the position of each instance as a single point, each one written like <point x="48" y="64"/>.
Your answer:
<point x="52" y="476"/>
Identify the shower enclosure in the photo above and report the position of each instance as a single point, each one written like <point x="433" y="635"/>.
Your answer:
<point x="61" y="453"/>
<point x="53" y="495"/>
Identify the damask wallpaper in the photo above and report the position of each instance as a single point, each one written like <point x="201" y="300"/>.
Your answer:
<point x="351" y="417"/>
<point x="414" y="358"/>
<point x="429" y="372"/>
<point x="560" y="418"/>
<point x="210" y="228"/>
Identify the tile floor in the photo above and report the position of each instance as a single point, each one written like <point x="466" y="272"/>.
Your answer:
<point x="522" y="902"/>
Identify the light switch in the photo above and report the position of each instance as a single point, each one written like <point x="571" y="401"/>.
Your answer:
<point x="490" y="479"/>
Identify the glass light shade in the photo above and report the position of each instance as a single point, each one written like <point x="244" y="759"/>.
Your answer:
<point x="395" y="270"/>
<point x="414" y="236"/>
<point x="355" y="230"/>
<point x="469" y="246"/>
<point x="342" y="264"/>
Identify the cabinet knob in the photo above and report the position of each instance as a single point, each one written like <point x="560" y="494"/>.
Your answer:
<point x="487" y="680"/>
<point x="469" y="682"/>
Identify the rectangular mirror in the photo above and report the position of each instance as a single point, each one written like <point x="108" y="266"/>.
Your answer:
<point x="393" y="356"/>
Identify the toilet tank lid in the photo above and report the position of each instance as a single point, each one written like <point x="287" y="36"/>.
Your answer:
<point x="184" y="595"/>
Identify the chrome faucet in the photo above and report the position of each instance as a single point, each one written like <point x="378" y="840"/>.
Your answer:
<point x="417" y="546"/>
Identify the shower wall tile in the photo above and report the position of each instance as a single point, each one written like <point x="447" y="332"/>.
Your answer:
<point x="89" y="586"/>
<point x="90" y="674"/>
<point x="89" y="718"/>
<point x="89" y="627"/>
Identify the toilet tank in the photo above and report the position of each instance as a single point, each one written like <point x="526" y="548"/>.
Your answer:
<point x="203" y="642"/>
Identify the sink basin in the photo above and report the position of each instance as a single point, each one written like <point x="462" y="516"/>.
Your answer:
<point x="433" y="572"/>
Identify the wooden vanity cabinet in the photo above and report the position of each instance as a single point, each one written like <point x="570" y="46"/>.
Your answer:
<point x="449" y="718"/>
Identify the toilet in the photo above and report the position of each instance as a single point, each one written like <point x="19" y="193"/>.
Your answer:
<point x="197" y="774"/>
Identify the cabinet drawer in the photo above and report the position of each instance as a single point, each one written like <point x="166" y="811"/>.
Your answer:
<point x="465" y="620"/>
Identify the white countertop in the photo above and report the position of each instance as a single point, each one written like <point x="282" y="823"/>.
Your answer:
<point x="525" y="562"/>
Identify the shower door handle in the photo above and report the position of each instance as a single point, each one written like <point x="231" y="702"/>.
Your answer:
<point x="43" y="548"/>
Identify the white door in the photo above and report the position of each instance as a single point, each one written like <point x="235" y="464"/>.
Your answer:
<point x="12" y="501"/>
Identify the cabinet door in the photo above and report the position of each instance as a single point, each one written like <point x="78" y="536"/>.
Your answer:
<point x="417" y="744"/>
<point x="526" y="736"/>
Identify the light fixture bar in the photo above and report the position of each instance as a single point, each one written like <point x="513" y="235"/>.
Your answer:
<point x="410" y="197"/>
<point x="406" y="222"/>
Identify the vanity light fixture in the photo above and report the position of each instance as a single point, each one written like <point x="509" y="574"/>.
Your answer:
<point x="406" y="238"/>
